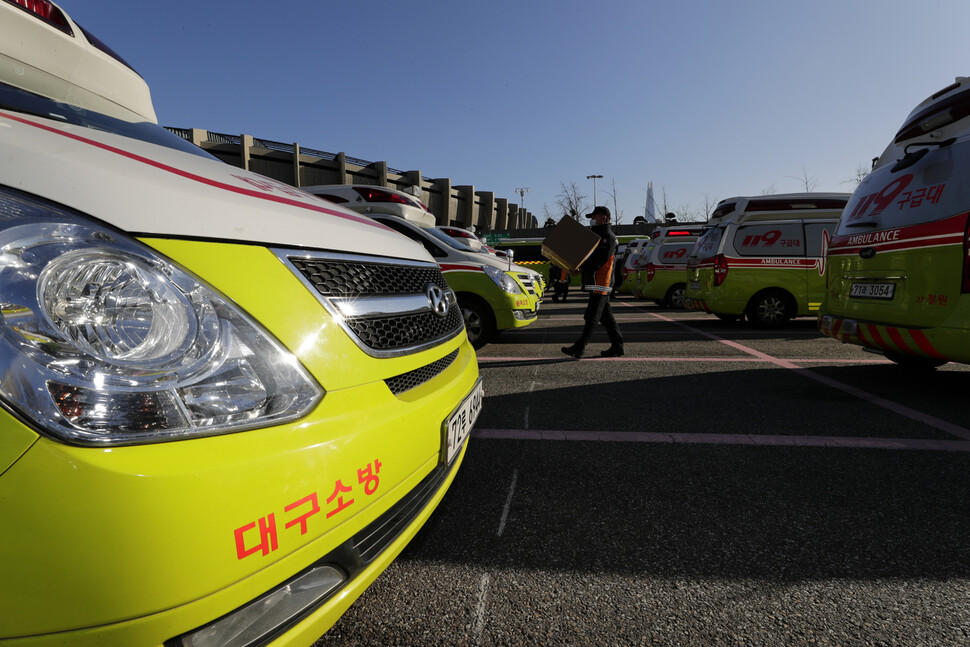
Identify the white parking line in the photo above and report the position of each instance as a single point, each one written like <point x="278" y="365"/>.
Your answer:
<point x="508" y="503"/>
<point x="766" y="440"/>
<point x="480" y="610"/>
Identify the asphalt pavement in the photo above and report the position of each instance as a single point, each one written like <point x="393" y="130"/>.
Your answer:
<point x="718" y="485"/>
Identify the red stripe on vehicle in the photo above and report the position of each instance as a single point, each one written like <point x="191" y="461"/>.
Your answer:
<point x="461" y="268"/>
<point x="875" y="336"/>
<point x="924" y="344"/>
<point x="947" y="231"/>
<point x="897" y="339"/>
<point x="198" y="178"/>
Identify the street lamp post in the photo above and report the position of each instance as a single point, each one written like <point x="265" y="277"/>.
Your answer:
<point x="522" y="191"/>
<point x="594" y="178"/>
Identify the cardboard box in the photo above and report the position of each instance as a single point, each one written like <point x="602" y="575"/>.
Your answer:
<point x="569" y="244"/>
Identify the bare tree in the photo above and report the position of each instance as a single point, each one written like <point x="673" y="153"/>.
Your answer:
<point x="769" y="190"/>
<point x="861" y="173"/>
<point x="617" y="212"/>
<point x="809" y="182"/>
<point x="709" y="205"/>
<point x="571" y="201"/>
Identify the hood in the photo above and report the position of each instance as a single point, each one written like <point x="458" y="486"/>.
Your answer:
<point x="151" y="190"/>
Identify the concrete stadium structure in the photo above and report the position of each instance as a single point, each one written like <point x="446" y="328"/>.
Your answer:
<point x="457" y="205"/>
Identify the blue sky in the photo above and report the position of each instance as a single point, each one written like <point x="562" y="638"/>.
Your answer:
<point x="706" y="99"/>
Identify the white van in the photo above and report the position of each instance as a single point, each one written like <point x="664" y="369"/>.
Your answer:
<point x="662" y="267"/>
<point x="762" y="257"/>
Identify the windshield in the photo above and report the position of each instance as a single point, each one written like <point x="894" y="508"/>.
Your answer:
<point x="17" y="100"/>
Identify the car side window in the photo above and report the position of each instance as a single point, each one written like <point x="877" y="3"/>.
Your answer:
<point x="779" y="239"/>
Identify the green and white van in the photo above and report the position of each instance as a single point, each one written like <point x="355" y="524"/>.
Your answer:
<point x="763" y="257"/>
<point x="899" y="262"/>
<point x="662" y="276"/>
<point x="493" y="293"/>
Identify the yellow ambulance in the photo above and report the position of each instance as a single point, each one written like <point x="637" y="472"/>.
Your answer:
<point x="899" y="261"/>
<point x="763" y="257"/>
<point x="225" y="405"/>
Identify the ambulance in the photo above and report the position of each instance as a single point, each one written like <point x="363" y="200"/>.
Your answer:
<point x="625" y="283"/>
<point x="663" y="265"/>
<point x="763" y="257"/>
<point x="225" y="406"/>
<point x="899" y="262"/>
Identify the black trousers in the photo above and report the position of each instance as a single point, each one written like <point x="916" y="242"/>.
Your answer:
<point x="598" y="310"/>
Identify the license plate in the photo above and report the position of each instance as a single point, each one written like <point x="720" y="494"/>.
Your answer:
<point x="695" y="285"/>
<point x="459" y="424"/>
<point x="872" y="290"/>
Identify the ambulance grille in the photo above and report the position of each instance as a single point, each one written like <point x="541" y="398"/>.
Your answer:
<point x="527" y="281"/>
<point x="349" y="279"/>
<point x="385" y="305"/>
<point x="412" y="379"/>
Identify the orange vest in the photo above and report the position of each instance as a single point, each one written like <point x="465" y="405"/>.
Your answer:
<point x="603" y="278"/>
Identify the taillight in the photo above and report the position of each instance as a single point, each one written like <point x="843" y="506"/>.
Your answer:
<point x="651" y="270"/>
<point x="45" y="10"/>
<point x="376" y="195"/>
<point x="720" y="269"/>
<point x="965" y="284"/>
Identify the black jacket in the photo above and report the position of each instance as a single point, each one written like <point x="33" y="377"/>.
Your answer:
<point x="603" y="253"/>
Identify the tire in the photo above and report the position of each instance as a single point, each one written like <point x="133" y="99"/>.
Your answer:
<point x="914" y="362"/>
<point x="479" y="321"/>
<point x="675" y="296"/>
<point x="770" y="309"/>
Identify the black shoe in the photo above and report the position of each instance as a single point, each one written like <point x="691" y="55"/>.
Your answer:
<point x="613" y="351"/>
<point x="573" y="351"/>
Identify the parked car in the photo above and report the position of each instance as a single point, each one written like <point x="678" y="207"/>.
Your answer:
<point x="213" y="430"/>
<point x="762" y="257"/>
<point x="369" y="199"/>
<point x="493" y="294"/>
<point x="898" y="264"/>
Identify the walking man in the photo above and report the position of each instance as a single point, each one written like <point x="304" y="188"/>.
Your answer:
<point x="597" y="272"/>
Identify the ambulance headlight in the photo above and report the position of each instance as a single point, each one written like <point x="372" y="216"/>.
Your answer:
<point x="106" y="342"/>
<point x="502" y="279"/>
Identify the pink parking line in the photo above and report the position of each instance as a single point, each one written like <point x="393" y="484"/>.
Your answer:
<point x="842" y="442"/>
<point x="749" y="360"/>
<point x="912" y="414"/>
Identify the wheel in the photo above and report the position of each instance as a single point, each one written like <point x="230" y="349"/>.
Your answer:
<point x="675" y="296"/>
<point x="770" y="309"/>
<point x="479" y="322"/>
<point x="914" y="362"/>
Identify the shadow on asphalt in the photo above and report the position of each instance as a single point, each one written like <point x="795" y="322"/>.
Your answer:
<point x="672" y="511"/>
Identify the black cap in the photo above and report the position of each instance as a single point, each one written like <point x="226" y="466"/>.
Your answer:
<point x="599" y="211"/>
